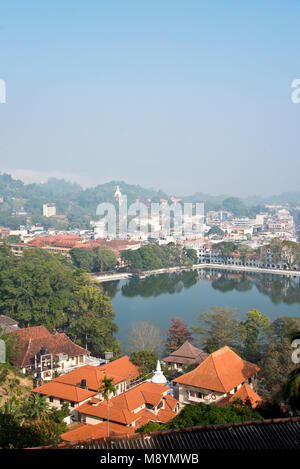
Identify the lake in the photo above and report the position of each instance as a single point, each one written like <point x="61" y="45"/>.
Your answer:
<point x="185" y="295"/>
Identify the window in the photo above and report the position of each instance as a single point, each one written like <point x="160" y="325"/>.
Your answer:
<point x="50" y="399"/>
<point x="72" y="404"/>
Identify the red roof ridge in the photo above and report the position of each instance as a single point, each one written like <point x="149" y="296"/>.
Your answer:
<point x="215" y="367"/>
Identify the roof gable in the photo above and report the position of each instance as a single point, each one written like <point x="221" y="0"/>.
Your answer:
<point x="221" y="371"/>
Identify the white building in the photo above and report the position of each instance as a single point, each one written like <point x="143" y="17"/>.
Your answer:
<point x="49" y="210"/>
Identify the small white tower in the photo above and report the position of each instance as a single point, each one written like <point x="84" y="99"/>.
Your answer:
<point x="158" y="376"/>
<point x="118" y="194"/>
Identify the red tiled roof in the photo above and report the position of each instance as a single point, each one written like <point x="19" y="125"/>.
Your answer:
<point x="221" y="371"/>
<point x="122" y="367"/>
<point x="171" y="402"/>
<point x="119" y="370"/>
<point x="164" y="415"/>
<point x="246" y="392"/>
<point x="91" y="374"/>
<point x="186" y="354"/>
<point x="116" y="414"/>
<point x="64" y="391"/>
<point x="32" y="339"/>
<point x="85" y="431"/>
<point x="63" y="240"/>
<point x="122" y="407"/>
<point x="144" y="393"/>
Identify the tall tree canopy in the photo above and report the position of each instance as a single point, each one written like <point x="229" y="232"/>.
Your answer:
<point x="45" y="289"/>
<point x="177" y="334"/>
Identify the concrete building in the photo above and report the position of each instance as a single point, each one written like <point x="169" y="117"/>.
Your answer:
<point x="49" y="210"/>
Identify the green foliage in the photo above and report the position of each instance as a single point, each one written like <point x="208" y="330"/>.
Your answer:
<point x="92" y="323"/>
<point x="276" y="363"/>
<point x="150" y="427"/>
<point x="255" y="330"/>
<point x="105" y="259"/>
<point x="11" y="346"/>
<point x="218" y="327"/>
<point x="83" y="258"/>
<point x="203" y="414"/>
<point x="235" y="206"/>
<point x="42" y="288"/>
<point x="291" y="390"/>
<point x="30" y="423"/>
<point x="153" y="256"/>
<point x="107" y="388"/>
<point x="13" y="239"/>
<point x="100" y="259"/>
<point x="215" y="230"/>
<point x="192" y="255"/>
<point x="146" y="360"/>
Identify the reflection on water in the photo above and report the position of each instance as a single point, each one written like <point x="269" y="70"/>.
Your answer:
<point x="279" y="288"/>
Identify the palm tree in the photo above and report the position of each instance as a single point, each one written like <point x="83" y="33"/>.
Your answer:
<point x="11" y="407"/>
<point x="107" y="388"/>
<point x="36" y="407"/>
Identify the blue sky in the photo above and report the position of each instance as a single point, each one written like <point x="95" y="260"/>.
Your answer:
<point x="180" y="95"/>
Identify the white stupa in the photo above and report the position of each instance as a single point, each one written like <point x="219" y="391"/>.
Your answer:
<point x="118" y="194"/>
<point x="158" y="376"/>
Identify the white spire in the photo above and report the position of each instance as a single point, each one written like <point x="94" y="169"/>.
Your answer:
<point x="158" y="376"/>
<point x="118" y="194"/>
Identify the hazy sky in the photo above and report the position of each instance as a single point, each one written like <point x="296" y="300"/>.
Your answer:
<point x="185" y="95"/>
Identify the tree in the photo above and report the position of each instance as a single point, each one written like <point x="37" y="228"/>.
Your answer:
<point x="83" y="258"/>
<point x="235" y="205"/>
<point x="13" y="239"/>
<point x="215" y="230"/>
<point x="255" y="329"/>
<point x="92" y="324"/>
<point x="146" y="361"/>
<point x="218" y="327"/>
<point x="36" y="407"/>
<point x="145" y="336"/>
<point x="276" y="364"/>
<point x="108" y="389"/>
<point x="177" y="334"/>
<point x="11" y="346"/>
<point x="42" y="288"/>
<point x="192" y="255"/>
<point x="105" y="259"/>
<point x="31" y="423"/>
<point x="291" y="389"/>
<point x="203" y="414"/>
<point x="38" y="289"/>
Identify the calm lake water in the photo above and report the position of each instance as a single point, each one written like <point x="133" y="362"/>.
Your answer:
<point x="185" y="295"/>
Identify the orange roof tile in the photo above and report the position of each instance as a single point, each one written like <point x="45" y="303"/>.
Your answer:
<point x="116" y="414"/>
<point x="122" y="407"/>
<point x="91" y="374"/>
<point x="144" y="393"/>
<point x="119" y="370"/>
<point x="171" y="402"/>
<point x="165" y="415"/>
<point x="86" y="431"/>
<point x="246" y="392"/>
<point x="32" y="339"/>
<point x="64" y="391"/>
<point x="122" y="367"/>
<point x="221" y="371"/>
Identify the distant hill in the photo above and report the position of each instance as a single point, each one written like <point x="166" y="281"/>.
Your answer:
<point x="80" y="204"/>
